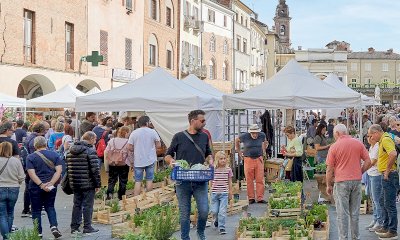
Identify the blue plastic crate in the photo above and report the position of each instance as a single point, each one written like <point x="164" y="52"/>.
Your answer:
<point x="180" y="174"/>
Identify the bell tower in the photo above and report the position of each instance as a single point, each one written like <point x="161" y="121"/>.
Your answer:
<point x="282" y="23"/>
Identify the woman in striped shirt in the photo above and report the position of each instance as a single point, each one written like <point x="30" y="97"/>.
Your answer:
<point x="221" y="191"/>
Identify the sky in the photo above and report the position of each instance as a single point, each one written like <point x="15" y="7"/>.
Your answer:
<point x="362" y="23"/>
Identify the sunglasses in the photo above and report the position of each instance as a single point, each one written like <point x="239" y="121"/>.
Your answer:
<point x="202" y="121"/>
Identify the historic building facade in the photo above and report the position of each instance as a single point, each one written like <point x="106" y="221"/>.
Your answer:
<point x="217" y="44"/>
<point x="160" y="35"/>
<point x="41" y="47"/>
<point x="258" y="68"/>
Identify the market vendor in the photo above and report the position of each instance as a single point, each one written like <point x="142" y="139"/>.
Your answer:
<point x="294" y="149"/>
<point x="254" y="147"/>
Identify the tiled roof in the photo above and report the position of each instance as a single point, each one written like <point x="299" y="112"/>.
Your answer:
<point x="373" y="55"/>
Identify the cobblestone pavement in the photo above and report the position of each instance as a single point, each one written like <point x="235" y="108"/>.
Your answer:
<point x="64" y="206"/>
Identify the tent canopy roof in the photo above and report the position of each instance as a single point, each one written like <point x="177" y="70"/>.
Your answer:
<point x="292" y="87"/>
<point x="155" y="91"/>
<point x="10" y="101"/>
<point x="62" y="98"/>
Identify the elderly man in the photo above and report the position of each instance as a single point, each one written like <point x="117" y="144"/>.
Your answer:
<point x="254" y="146"/>
<point x="387" y="156"/>
<point x="344" y="164"/>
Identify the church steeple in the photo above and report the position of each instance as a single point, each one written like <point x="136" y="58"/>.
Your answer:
<point x="282" y="23"/>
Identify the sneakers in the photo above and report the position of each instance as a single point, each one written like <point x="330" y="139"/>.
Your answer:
<point x="372" y="224"/>
<point x="40" y="236"/>
<point x="90" y="231"/>
<point x="215" y="223"/>
<point x="201" y="237"/>
<point x="222" y="231"/>
<point x="251" y="201"/>
<point x="381" y="231"/>
<point x="375" y="228"/>
<point x="388" y="235"/>
<point x="56" y="233"/>
<point x="262" y="201"/>
<point x="26" y="214"/>
<point x="208" y="224"/>
<point x="76" y="231"/>
<point x="14" y="228"/>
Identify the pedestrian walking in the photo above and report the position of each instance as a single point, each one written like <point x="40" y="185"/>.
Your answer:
<point x="84" y="178"/>
<point x="254" y="150"/>
<point x="375" y="186"/>
<point x="321" y="144"/>
<point x="144" y="142"/>
<point x="44" y="168"/>
<point x="193" y="146"/>
<point x="344" y="165"/>
<point x="11" y="176"/>
<point x="387" y="156"/>
<point x="294" y="150"/>
<point x="88" y="123"/>
<point x="221" y="191"/>
<point x="117" y="155"/>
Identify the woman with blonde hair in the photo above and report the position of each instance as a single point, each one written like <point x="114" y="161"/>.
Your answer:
<point x="117" y="162"/>
<point x="55" y="140"/>
<point x="11" y="176"/>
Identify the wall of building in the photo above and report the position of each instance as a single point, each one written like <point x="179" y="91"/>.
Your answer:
<point x="163" y="34"/>
<point x="258" y="55"/>
<point x="119" y="23"/>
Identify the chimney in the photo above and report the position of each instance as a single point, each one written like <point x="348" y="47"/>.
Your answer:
<point x="390" y="51"/>
<point x="299" y="48"/>
<point x="371" y="50"/>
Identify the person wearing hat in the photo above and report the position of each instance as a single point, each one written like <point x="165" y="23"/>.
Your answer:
<point x="254" y="146"/>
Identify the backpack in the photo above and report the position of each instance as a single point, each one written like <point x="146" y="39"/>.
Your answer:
<point x="58" y="144"/>
<point x="101" y="145"/>
<point x="23" y="153"/>
<point x="117" y="157"/>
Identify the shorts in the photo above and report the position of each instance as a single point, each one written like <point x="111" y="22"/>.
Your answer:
<point x="149" y="173"/>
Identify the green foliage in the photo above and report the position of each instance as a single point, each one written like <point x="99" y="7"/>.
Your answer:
<point x="158" y="222"/>
<point x="136" y="236"/>
<point x="287" y="188"/>
<point x="183" y="164"/>
<point x="101" y="193"/>
<point x="26" y="234"/>
<point x="321" y="167"/>
<point x="162" y="175"/>
<point x="114" y="206"/>
<point x="266" y="225"/>
<point x="285" y="203"/>
<point x="130" y="185"/>
<point x="317" y="214"/>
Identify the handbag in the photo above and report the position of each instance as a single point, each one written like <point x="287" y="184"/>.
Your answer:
<point x="65" y="186"/>
<point x="289" y="165"/>
<point x="49" y="163"/>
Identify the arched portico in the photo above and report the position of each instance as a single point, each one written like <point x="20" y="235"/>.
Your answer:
<point x="35" y="85"/>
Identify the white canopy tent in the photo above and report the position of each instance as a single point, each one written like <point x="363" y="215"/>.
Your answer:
<point x="10" y="101"/>
<point x="292" y="87"/>
<point x="165" y="99"/>
<point x="93" y="91"/>
<point x="62" y="98"/>
<point x="213" y="116"/>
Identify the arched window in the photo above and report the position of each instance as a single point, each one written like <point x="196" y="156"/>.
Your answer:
<point x="154" y="9"/>
<point x="153" y="50"/>
<point x="225" y="47"/>
<point x="225" y="71"/>
<point x="170" y="56"/>
<point x="169" y="13"/>
<point x="282" y="30"/>
<point x="212" y="43"/>
<point x="212" y="68"/>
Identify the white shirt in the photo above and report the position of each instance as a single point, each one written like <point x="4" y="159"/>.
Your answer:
<point x="373" y="154"/>
<point x="144" y="146"/>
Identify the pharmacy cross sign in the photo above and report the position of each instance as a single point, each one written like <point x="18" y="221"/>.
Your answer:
<point x="95" y="58"/>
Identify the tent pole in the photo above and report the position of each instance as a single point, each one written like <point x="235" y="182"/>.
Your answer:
<point x="78" y="114"/>
<point x="223" y="130"/>
<point x="239" y="157"/>
<point x="347" y="118"/>
<point x="360" y="124"/>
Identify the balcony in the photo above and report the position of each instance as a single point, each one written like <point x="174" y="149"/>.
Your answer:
<point x="199" y="71"/>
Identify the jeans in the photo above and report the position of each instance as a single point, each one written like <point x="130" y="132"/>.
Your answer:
<point x="83" y="204"/>
<point x="184" y="192"/>
<point x="347" y="196"/>
<point x="8" y="198"/>
<point x="377" y="198"/>
<point x="389" y="190"/>
<point x="27" y="198"/>
<point x="39" y="199"/>
<point x="115" y="173"/>
<point x="149" y="173"/>
<point x="219" y="205"/>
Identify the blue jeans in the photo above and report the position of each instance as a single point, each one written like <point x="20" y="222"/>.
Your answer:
<point x="219" y="205"/>
<point x="377" y="197"/>
<point x="83" y="205"/>
<point x="149" y="173"/>
<point x="184" y="192"/>
<point x="39" y="199"/>
<point x="389" y="190"/>
<point x="8" y="198"/>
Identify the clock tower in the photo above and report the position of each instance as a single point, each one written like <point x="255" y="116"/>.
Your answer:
<point x="282" y="23"/>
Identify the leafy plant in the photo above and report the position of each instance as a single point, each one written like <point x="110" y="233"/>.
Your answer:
<point x="162" y="175"/>
<point x="130" y="185"/>
<point x="285" y="203"/>
<point x="317" y="215"/>
<point x="321" y="167"/>
<point x="101" y="193"/>
<point x="287" y="188"/>
<point x="26" y="234"/>
<point x="136" y="236"/>
<point x="114" y="206"/>
<point x="183" y="164"/>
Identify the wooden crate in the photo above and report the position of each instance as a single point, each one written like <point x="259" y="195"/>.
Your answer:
<point x="363" y="207"/>
<point x="119" y="230"/>
<point x="106" y="217"/>
<point x="162" y="195"/>
<point x="237" y="207"/>
<point x="228" y="147"/>
<point x="246" y="235"/>
<point x="284" y="196"/>
<point x="323" y="233"/>
<point x="272" y="168"/>
<point x="284" y="213"/>
<point x="285" y="235"/>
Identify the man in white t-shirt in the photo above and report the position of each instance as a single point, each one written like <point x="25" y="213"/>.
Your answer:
<point x="143" y="142"/>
